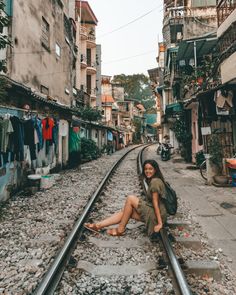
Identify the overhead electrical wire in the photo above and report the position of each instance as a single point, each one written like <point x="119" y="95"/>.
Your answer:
<point x="131" y="22"/>
<point x="129" y="57"/>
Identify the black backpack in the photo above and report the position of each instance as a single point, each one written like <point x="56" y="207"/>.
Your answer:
<point x="170" y="199"/>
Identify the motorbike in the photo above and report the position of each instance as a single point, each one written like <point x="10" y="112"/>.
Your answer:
<point x="165" y="151"/>
<point x="159" y="148"/>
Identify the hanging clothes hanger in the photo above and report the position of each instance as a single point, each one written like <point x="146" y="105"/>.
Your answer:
<point x="7" y="116"/>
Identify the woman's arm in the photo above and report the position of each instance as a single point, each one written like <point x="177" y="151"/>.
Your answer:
<point x="155" y="201"/>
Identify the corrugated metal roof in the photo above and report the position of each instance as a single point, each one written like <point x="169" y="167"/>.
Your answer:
<point x="203" y="47"/>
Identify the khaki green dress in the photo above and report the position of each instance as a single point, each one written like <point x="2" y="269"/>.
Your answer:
<point x="146" y="209"/>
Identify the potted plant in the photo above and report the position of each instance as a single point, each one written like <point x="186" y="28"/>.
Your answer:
<point x="216" y="160"/>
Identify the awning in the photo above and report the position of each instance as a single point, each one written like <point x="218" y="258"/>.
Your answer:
<point x="203" y="47"/>
<point x="173" y="108"/>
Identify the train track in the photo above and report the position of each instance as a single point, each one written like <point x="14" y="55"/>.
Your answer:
<point x="98" y="264"/>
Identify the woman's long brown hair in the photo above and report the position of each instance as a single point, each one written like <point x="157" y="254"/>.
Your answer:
<point x="154" y="164"/>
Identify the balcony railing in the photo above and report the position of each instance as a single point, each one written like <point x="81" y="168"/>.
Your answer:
<point x="91" y="64"/>
<point x="83" y="31"/>
<point x="83" y="58"/>
<point x="91" y="38"/>
<point x="91" y="91"/>
<point x="224" y="9"/>
<point x="174" y="15"/>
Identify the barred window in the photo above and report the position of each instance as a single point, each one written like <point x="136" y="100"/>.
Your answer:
<point x="45" y="33"/>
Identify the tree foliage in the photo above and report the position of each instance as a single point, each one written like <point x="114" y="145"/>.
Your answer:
<point x="89" y="149"/>
<point x="90" y="114"/>
<point x="138" y="130"/>
<point x="4" y="40"/>
<point x="137" y="87"/>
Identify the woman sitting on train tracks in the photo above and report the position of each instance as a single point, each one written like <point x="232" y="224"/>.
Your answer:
<point x="150" y="211"/>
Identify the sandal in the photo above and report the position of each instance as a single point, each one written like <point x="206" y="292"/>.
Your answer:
<point x="92" y="227"/>
<point x="114" y="232"/>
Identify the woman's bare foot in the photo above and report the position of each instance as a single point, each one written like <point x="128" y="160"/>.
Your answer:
<point x="115" y="232"/>
<point x="92" y="227"/>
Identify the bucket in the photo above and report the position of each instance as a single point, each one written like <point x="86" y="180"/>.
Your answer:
<point x="234" y="179"/>
<point x="47" y="181"/>
<point x="34" y="180"/>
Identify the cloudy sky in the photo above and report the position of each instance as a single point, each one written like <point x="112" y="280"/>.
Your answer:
<point x="133" y="48"/>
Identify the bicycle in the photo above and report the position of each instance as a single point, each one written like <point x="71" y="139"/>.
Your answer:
<point x="203" y="168"/>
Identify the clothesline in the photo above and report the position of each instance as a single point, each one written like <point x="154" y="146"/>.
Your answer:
<point x="17" y="109"/>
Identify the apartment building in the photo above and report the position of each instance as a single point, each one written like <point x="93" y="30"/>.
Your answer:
<point x="86" y="23"/>
<point x="189" y="32"/>
<point x="43" y="50"/>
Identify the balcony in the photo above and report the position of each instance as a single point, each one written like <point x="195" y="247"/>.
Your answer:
<point x="224" y="9"/>
<point x="79" y="98"/>
<point x="92" y="92"/>
<point x="91" y="41"/>
<point x="91" y="68"/>
<point x="174" y="15"/>
<point x="83" y="88"/>
<point x="83" y="33"/>
<point x="83" y="61"/>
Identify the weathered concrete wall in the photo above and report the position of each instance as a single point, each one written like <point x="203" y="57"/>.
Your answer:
<point x="226" y="24"/>
<point x="13" y="175"/>
<point x="228" y="69"/>
<point x="199" y="21"/>
<point x="99" y="75"/>
<point x="10" y="173"/>
<point x="29" y="62"/>
<point x="63" y="143"/>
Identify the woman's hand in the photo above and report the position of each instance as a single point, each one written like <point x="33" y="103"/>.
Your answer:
<point x="158" y="227"/>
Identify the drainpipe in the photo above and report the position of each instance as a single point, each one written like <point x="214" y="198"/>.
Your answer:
<point x="195" y="57"/>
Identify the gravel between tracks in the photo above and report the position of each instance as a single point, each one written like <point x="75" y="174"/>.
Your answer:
<point x="76" y="281"/>
<point x="200" y="285"/>
<point x="34" y="228"/>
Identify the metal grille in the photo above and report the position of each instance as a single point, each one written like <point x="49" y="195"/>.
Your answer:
<point x="45" y="33"/>
<point x="224" y="9"/>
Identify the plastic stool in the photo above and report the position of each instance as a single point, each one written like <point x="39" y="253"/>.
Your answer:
<point x="234" y="179"/>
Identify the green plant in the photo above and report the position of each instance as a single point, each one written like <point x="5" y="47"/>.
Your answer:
<point x="4" y="39"/>
<point x="90" y="114"/>
<point x="89" y="150"/>
<point x="104" y="149"/>
<point x="184" y="137"/>
<point x="138" y="128"/>
<point x="215" y="151"/>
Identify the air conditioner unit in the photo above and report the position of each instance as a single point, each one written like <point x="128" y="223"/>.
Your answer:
<point x="179" y="36"/>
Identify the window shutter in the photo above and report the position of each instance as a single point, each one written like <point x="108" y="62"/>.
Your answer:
<point x="202" y="3"/>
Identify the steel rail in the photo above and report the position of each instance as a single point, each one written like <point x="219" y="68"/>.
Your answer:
<point x="52" y="277"/>
<point x="180" y="278"/>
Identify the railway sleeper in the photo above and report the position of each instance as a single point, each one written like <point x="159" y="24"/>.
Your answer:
<point x="207" y="269"/>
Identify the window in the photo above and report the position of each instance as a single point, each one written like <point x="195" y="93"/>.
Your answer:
<point x="45" y="34"/>
<point x="58" y="50"/>
<point x="44" y="90"/>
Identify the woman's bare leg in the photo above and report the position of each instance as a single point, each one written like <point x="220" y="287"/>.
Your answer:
<point x="113" y="219"/>
<point x="121" y="217"/>
<point x="129" y="211"/>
